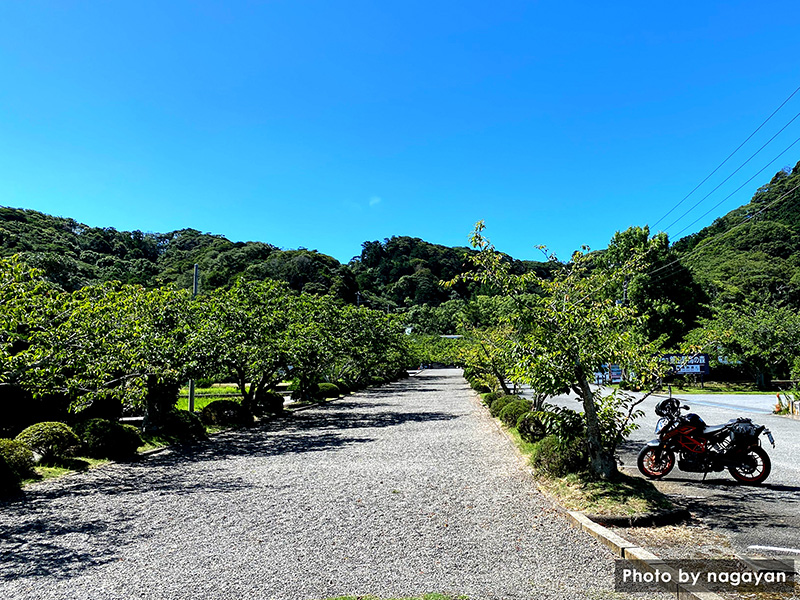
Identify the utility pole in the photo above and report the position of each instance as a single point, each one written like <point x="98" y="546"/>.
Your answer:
<point x="195" y="286"/>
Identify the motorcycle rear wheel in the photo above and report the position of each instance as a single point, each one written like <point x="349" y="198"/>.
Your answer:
<point x="655" y="463"/>
<point x="755" y="467"/>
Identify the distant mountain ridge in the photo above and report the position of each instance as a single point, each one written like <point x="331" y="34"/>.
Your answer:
<point x="398" y="272"/>
<point x="752" y="253"/>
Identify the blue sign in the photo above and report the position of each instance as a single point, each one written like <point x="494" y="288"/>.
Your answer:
<point x="688" y="364"/>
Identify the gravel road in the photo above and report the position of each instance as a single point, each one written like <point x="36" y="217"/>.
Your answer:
<point x="400" y="490"/>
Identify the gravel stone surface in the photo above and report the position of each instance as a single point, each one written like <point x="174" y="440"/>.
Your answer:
<point x="400" y="490"/>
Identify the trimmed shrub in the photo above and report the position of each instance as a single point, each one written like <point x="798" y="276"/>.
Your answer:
<point x="500" y="403"/>
<point x="489" y="397"/>
<point x="18" y="457"/>
<point x="9" y="480"/>
<point x="376" y="381"/>
<point x="183" y="426"/>
<point x="108" y="439"/>
<point x="512" y="411"/>
<point x="326" y="390"/>
<point x="49" y="440"/>
<point x="268" y="403"/>
<point x="479" y="386"/>
<point x="344" y="388"/>
<point x="557" y="457"/>
<point x="224" y="412"/>
<point x="530" y="427"/>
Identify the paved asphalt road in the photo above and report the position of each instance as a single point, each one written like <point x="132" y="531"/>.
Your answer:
<point x="400" y="490"/>
<point x="768" y="515"/>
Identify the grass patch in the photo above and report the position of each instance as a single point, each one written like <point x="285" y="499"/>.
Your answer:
<point x="63" y="467"/>
<point x="204" y="396"/>
<point x="624" y="496"/>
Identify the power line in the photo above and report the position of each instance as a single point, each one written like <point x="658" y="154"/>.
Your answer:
<point x="728" y="157"/>
<point x="739" y="168"/>
<point x="740" y="187"/>
<point x="746" y="219"/>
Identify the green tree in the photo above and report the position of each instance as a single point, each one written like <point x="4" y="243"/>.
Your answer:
<point x="565" y="329"/>
<point x="763" y="337"/>
<point x="246" y="329"/>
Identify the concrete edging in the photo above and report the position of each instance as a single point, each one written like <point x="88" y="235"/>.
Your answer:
<point x="641" y="558"/>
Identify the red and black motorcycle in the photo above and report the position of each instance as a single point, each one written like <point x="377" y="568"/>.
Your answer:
<point x="701" y="448"/>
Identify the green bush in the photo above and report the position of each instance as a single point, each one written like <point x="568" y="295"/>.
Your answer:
<point x="9" y="479"/>
<point x="500" y="403"/>
<point x="479" y="386"/>
<point x="18" y="457"/>
<point x="49" y="440"/>
<point x="488" y="397"/>
<point x="268" y="403"/>
<point x="224" y="412"/>
<point x="512" y="411"/>
<point x="326" y="390"/>
<point x="556" y="457"/>
<point x="344" y="388"/>
<point x="530" y="427"/>
<point x="108" y="439"/>
<point x="183" y="426"/>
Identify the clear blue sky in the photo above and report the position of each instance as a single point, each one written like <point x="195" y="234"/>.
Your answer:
<point x="324" y="124"/>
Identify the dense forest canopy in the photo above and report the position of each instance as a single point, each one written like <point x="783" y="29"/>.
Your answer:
<point x="752" y="254"/>
<point x="396" y="273"/>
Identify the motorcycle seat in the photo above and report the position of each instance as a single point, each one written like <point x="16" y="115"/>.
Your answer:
<point x="714" y="428"/>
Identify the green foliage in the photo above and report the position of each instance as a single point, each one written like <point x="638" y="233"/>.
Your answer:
<point x="512" y="411"/>
<point x="268" y="403"/>
<point x="669" y="306"/>
<point x="326" y="390"/>
<point x="433" y="349"/>
<point x="563" y="329"/>
<point x="50" y="440"/>
<point x="488" y="397"/>
<point x="9" y="479"/>
<point x="183" y="426"/>
<point x="225" y="412"/>
<point x="530" y="427"/>
<point x="765" y="338"/>
<point x="108" y="439"/>
<point x="555" y="457"/>
<point x="751" y="253"/>
<point x="500" y="403"/>
<point x="18" y="457"/>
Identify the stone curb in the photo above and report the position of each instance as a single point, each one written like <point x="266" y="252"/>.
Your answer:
<point x="641" y="558"/>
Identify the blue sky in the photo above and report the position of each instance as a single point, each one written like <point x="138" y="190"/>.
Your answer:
<point x="323" y="124"/>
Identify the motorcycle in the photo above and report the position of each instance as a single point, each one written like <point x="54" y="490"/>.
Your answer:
<point x="701" y="448"/>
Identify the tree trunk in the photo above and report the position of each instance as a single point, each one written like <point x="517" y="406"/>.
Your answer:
<point x="601" y="461"/>
<point x="160" y="398"/>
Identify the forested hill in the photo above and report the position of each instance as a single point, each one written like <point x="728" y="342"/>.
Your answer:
<point x="398" y="272"/>
<point x="753" y="252"/>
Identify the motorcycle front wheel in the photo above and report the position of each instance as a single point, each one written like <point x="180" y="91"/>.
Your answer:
<point x="654" y="462"/>
<point x="754" y="467"/>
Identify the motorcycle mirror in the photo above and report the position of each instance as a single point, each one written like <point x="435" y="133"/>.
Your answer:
<point x="685" y="407"/>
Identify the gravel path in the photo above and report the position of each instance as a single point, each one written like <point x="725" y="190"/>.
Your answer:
<point x="401" y="490"/>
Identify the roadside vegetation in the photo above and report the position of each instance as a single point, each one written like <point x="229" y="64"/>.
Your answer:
<point x="96" y="324"/>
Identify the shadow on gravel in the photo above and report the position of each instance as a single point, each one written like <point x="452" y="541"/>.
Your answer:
<point x="40" y="547"/>
<point x="45" y="532"/>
